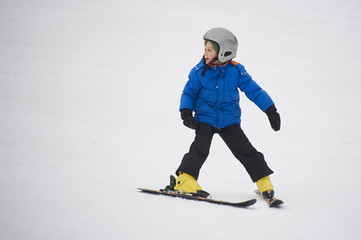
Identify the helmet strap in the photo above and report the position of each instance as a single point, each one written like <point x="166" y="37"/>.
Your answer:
<point x="208" y="65"/>
<point x="213" y="61"/>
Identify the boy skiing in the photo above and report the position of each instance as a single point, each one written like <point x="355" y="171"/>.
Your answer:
<point x="212" y="94"/>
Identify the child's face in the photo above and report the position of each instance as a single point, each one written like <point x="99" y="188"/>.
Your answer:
<point x="209" y="52"/>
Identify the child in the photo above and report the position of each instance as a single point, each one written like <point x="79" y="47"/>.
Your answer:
<point x="212" y="93"/>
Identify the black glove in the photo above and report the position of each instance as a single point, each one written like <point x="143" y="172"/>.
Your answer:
<point x="274" y="117"/>
<point x="188" y="119"/>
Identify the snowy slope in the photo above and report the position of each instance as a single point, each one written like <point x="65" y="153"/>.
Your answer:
<point x="89" y="94"/>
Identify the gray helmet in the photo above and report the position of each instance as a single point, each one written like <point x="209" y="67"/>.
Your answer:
<point x="226" y="41"/>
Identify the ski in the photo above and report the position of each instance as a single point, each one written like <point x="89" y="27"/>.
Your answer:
<point x="173" y="193"/>
<point x="273" y="202"/>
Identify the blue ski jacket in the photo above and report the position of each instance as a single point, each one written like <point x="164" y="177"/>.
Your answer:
<point x="214" y="97"/>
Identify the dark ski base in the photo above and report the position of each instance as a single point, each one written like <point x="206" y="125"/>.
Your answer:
<point x="198" y="198"/>
<point x="274" y="203"/>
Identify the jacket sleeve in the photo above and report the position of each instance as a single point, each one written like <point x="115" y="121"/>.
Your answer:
<point x="190" y="91"/>
<point x="252" y="90"/>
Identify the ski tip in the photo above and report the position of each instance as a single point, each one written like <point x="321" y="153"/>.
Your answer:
<point x="250" y="202"/>
<point x="253" y="201"/>
<point x="244" y="204"/>
<point x="276" y="203"/>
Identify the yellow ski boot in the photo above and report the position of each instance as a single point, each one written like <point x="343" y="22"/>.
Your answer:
<point x="186" y="183"/>
<point x="264" y="185"/>
<point x="265" y="188"/>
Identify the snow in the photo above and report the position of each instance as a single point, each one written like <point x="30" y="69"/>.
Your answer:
<point x="89" y="97"/>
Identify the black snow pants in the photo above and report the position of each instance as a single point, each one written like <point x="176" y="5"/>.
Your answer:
<point x="237" y="142"/>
